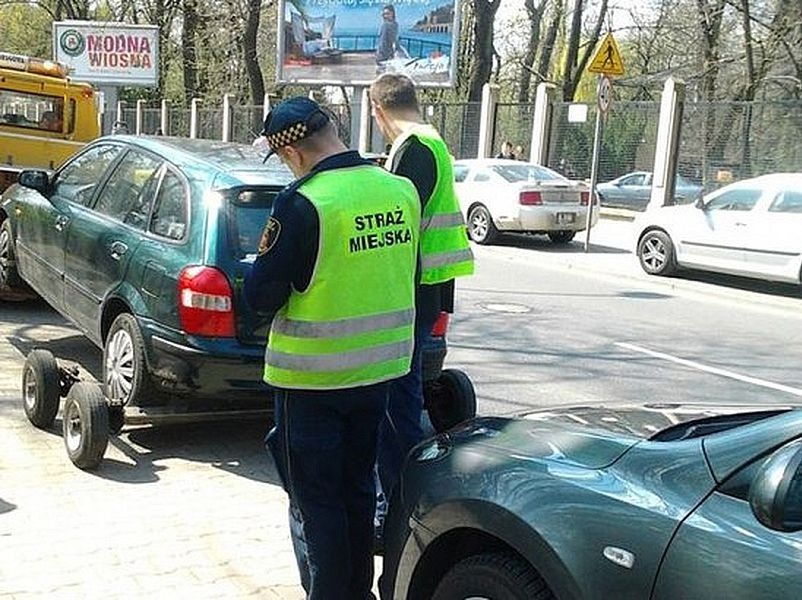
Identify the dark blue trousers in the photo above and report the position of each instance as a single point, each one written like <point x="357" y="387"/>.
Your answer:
<point x="324" y="446"/>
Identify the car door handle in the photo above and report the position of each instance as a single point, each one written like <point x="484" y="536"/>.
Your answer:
<point x="117" y="250"/>
<point x="740" y="224"/>
<point x="61" y="222"/>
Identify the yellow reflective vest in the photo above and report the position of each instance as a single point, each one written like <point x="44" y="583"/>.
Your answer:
<point x="354" y="323"/>
<point x="444" y="248"/>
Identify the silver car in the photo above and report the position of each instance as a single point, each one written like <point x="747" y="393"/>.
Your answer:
<point x="634" y="189"/>
<point x="498" y="195"/>
<point x="749" y="228"/>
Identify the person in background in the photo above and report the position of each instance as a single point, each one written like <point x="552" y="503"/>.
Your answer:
<point x="519" y="152"/>
<point x="388" y="35"/>
<point x="506" y="151"/>
<point x="336" y="264"/>
<point x="419" y="154"/>
<point x="50" y="121"/>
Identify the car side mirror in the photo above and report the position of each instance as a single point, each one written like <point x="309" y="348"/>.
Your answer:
<point x="700" y="203"/>
<point x="775" y="495"/>
<point x="35" y="180"/>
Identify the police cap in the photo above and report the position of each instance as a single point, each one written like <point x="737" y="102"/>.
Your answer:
<point x="293" y="120"/>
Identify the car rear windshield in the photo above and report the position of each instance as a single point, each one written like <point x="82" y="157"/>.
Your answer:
<point x="249" y="209"/>
<point x="526" y="172"/>
<point x="702" y="427"/>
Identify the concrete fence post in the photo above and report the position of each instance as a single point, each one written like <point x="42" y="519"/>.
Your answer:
<point x="140" y="114"/>
<point x="265" y="107"/>
<point x="487" y="120"/>
<point x="227" y="117"/>
<point x="664" y="173"/>
<point x="120" y="110"/>
<point x="193" y="118"/>
<point x="165" y="117"/>
<point x="365" y="134"/>
<point x="541" y="123"/>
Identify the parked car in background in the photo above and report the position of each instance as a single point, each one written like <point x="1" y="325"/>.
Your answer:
<point x="501" y="195"/>
<point x="628" y="502"/>
<point x="633" y="191"/>
<point x="751" y="228"/>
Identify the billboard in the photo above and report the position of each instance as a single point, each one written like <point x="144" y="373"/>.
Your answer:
<point x="108" y="53"/>
<point x="351" y="42"/>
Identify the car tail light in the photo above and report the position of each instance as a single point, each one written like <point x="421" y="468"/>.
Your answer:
<point x="584" y="198"/>
<point x="440" y="325"/>
<point x="205" y="302"/>
<point x="530" y="198"/>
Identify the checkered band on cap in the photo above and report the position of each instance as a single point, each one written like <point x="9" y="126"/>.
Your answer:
<point x="287" y="136"/>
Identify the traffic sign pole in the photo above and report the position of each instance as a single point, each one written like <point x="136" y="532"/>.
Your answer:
<point x="594" y="165"/>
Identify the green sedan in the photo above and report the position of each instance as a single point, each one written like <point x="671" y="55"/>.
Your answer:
<point x="656" y="501"/>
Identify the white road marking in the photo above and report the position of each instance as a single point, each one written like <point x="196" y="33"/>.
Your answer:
<point x="714" y="370"/>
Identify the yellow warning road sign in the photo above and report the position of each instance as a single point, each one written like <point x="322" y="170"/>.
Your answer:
<point x="607" y="59"/>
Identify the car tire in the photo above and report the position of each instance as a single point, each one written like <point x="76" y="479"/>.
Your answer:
<point x="450" y="399"/>
<point x="125" y="374"/>
<point x="656" y="253"/>
<point x="561" y="237"/>
<point x="496" y="575"/>
<point x="40" y="388"/>
<point x="86" y="425"/>
<point x="480" y="225"/>
<point x="11" y="284"/>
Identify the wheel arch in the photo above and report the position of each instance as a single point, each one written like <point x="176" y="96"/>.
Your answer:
<point x="510" y="534"/>
<point x="649" y="229"/>
<point x="112" y="309"/>
<point x="476" y="203"/>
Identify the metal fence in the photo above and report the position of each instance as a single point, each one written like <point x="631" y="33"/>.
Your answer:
<point x="719" y="141"/>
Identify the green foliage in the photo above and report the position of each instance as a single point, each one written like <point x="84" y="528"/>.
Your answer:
<point x="25" y="29"/>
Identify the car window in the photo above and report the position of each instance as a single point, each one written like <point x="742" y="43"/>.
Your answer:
<point x="787" y="202"/>
<point x="460" y="173"/>
<point x="526" y="172"/>
<point x="482" y="175"/>
<point x="128" y="193"/>
<point x="170" y="214"/>
<point x="77" y="181"/>
<point x="639" y="179"/>
<point x="249" y="211"/>
<point x="741" y="199"/>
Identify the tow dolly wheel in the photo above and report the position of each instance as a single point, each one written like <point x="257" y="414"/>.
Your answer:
<point x="450" y="399"/>
<point x="86" y="425"/>
<point x="40" y="388"/>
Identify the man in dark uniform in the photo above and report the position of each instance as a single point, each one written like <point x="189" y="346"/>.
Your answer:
<point x="337" y="262"/>
<point x="419" y="154"/>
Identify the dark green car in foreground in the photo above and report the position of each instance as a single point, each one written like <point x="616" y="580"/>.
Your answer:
<point x="667" y="502"/>
<point x="143" y="243"/>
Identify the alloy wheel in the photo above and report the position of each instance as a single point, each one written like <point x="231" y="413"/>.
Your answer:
<point x="5" y="257"/>
<point x="29" y="388"/>
<point x="478" y="225"/>
<point x="654" y="255"/>
<point x="120" y="365"/>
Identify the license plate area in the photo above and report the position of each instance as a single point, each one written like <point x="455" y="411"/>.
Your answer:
<point x="565" y="218"/>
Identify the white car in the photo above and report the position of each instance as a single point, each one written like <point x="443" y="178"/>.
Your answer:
<point x="751" y="228"/>
<point x="498" y="195"/>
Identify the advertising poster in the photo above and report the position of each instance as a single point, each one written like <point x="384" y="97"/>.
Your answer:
<point x="108" y="53"/>
<point x="351" y="42"/>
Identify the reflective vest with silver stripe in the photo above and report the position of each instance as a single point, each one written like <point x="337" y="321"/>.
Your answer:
<point x="354" y="323"/>
<point x="445" y="251"/>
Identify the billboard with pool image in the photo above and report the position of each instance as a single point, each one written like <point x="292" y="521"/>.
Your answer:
<point x="351" y="42"/>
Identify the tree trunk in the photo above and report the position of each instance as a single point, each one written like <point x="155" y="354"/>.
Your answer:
<point x="547" y="50"/>
<point x="189" y="55"/>
<point x="482" y="64"/>
<point x="257" y="83"/>
<point x="573" y="51"/>
<point x="535" y="15"/>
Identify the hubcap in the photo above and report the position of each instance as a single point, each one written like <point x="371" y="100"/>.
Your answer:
<point x="120" y="366"/>
<point x="29" y="388"/>
<point x="74" y="431"/>
<point x="479" y="225"/>
<point x="654" y="254"/>
<point x="5" y="258"/>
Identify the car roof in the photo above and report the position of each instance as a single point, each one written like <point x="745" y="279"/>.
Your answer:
<point x="471" y="162"/>
<point x="234" y="163"/>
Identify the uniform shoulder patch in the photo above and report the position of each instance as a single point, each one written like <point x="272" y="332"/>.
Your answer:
<point x="269" y="236"/>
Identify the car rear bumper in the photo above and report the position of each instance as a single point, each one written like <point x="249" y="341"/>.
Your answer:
<point x="569" y="217"/>
<point x="225" y="368"/>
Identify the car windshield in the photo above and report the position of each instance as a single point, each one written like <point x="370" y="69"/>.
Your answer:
<point x="250" y="209"/>
<point x="526" y="172"/>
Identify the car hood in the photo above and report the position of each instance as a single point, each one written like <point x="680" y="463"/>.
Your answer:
<point x="592" y="436"/>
